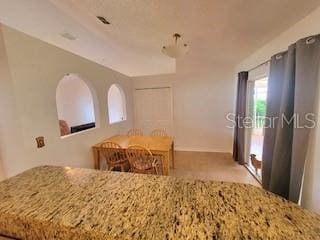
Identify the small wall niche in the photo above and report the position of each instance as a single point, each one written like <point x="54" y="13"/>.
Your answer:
<point x="116" y="104"/>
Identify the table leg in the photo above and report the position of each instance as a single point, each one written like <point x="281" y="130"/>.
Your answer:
<point x="166" y="163"/>
<point x="172" y="154"/>
<point x="96" y="158"/>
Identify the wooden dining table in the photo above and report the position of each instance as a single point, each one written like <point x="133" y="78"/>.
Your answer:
<point x="163" y="146"/>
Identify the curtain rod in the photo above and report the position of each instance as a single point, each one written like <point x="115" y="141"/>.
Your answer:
<point x="309" y="40"/>
<point x="261" y="64"/>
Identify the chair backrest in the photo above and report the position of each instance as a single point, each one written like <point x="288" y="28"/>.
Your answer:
<point x="135" y="132"/>
<point x="137" y="153"/>
<point x="159" y="133"/>
<point x="64" y="128"/>
<point x="112" y="152"/>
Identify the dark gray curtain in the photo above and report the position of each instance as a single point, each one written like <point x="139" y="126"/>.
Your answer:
<point x="292" y="88"/>
<point x="239" y="131"/>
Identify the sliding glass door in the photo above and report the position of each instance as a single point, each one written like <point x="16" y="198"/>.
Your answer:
<point x="255" y="112"/>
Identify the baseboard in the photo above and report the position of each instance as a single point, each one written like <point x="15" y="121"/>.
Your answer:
<point x="186" y="149"/>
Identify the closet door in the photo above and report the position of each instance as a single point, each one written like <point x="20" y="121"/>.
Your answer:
<point x="153" y="109"/>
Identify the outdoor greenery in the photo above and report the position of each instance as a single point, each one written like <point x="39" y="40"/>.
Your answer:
<point x="260" y="107"/>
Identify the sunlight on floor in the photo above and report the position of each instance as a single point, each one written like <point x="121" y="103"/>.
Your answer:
<point x="210" y="166"/>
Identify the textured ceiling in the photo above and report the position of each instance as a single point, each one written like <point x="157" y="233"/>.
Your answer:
<point x="218" y="31"/>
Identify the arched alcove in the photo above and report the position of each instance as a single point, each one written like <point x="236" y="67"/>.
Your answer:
<point x="75" y="105"/>
<point x="116" y="104"/>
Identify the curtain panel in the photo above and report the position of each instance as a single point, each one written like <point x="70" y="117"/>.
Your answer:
<point x="292" y="88"/>
<point x="239" y="131"/>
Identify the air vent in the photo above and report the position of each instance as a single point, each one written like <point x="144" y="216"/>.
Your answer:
<point x="68" y="36"/>
<point x="103" y="20"/>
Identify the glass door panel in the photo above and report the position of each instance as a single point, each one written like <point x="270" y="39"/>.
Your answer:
<point x="256" y="110"/>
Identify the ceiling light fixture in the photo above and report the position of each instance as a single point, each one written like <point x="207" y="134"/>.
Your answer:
<point x="175" y="50"/>
<point x="103" y="20"/>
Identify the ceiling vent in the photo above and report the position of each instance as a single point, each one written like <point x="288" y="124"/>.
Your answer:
<point x="68" y="36"/>
<point x="103" y="20"/>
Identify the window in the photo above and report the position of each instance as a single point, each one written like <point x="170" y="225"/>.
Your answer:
<point x="75" y="105"/>
<point x="116" y="104"/>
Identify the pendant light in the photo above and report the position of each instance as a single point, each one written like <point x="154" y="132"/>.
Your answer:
<point x="175" y="50"/>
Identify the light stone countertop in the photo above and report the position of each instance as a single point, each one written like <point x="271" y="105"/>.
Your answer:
<point x="71" y="203"/>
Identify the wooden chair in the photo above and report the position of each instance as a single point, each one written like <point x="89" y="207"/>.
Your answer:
<point x="159" y="133"/>
<point x="135" y="132"/>
<point x="141" y="160"/>
<point x="115" y="156"/>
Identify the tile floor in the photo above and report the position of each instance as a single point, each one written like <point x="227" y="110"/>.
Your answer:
<point x="210" y="166"/>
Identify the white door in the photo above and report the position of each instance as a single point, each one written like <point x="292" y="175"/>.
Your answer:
<point x="153" y="109"/>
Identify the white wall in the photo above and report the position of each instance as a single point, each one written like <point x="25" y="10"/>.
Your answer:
<point x="202" y="97"/>
<point x="311" y="187"/>
<point x="75" y="102"/>
<point x="306" y="27"/>
<point x="10" y="127"/>
<point x="28" y="104"/>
